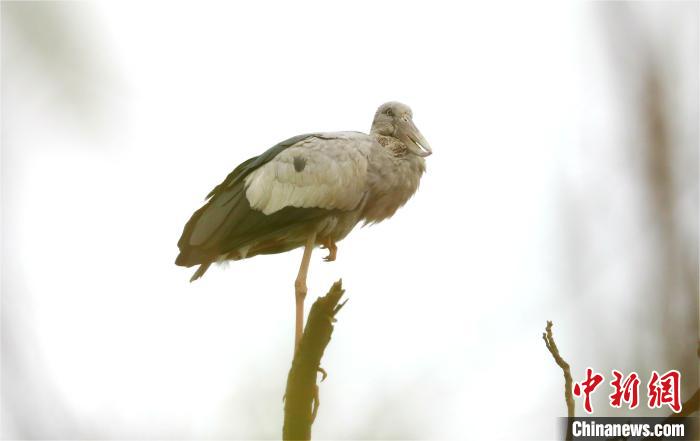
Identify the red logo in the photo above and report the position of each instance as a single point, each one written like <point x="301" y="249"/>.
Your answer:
<point x="665" y="389"/>
<point x="662" y="389"/>
<point x="592" y="381"/>
<point x="627" y="391"/>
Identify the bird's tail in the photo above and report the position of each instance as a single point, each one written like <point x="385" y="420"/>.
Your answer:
<point x="200" y="271"/>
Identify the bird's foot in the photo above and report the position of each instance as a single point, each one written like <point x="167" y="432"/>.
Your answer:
<point x="332" y="250"/>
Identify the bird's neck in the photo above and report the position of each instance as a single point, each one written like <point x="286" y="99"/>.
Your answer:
<point x="395" y="146"/>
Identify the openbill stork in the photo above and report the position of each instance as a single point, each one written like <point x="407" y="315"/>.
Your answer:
<point x="310" y="190"/>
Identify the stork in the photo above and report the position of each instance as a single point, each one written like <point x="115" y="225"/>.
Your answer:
<point x="310" y="190"/>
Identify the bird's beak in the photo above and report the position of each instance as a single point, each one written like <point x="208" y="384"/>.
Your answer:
<point x="418" y="145"/>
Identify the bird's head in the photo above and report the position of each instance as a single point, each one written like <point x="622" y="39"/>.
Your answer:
<point x="396" y="120"/>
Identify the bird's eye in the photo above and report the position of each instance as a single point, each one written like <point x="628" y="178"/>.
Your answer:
<point x="389" y="112"/>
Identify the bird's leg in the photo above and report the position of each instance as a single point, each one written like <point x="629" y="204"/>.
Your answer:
<point x="300" y="290"/>
<point x="332" y="248"/>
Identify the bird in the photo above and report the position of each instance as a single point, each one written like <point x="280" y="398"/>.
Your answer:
<point x="307" y="191"/>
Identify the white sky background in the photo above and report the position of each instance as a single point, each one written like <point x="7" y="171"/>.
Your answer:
<point x="447" y="300"/>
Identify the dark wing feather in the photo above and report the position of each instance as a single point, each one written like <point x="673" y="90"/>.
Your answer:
<point x="244" y="169"/>
<point x="227" y="222"/>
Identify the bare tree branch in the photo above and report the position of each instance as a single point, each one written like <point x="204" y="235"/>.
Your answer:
<point x="568" y="396"/>
<point x="301" y="397"/>
<point x="552" y="346"/>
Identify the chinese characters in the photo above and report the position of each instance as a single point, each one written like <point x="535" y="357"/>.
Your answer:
<point x="661" y="389"/>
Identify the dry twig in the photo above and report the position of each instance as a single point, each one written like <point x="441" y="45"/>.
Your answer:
<point x="568" y="395"/>
<point x="301" y="397"/>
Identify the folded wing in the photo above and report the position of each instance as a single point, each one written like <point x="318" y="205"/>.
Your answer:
<point x="322" y="171"/>
<point x="269" y="198"/>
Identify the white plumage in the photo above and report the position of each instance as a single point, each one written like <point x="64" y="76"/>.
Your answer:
<point x="330" y="173"/>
